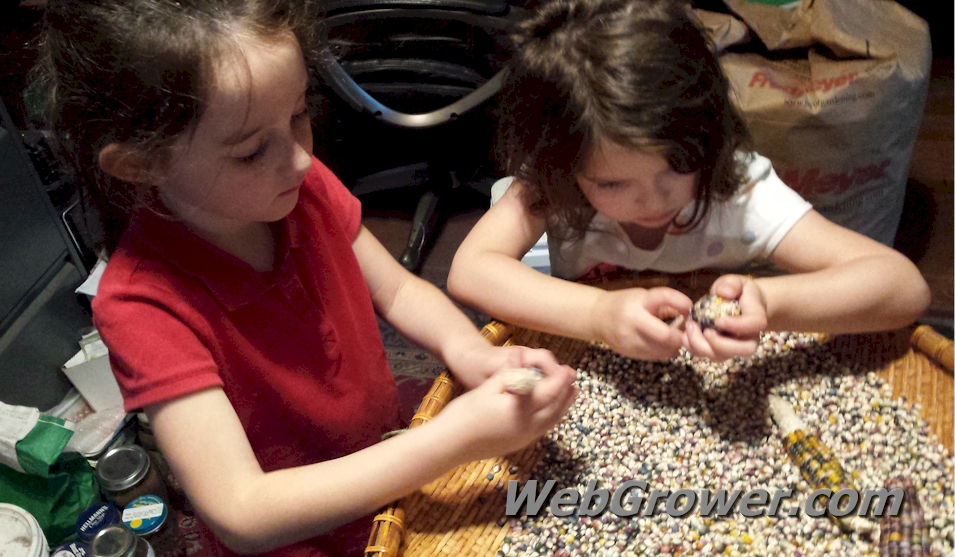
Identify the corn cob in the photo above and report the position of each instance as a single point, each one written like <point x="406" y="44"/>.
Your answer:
<point x="818" y="466"/>
<point x="521" y="380"/>
<point x="907" y="534"/>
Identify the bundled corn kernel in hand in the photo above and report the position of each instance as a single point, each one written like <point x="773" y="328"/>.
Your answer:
<point x="710" y="307"/>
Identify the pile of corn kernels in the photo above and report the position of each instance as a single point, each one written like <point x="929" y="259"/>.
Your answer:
<point x="699" y="425"/>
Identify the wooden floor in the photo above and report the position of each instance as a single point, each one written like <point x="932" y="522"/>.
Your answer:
<point x="929" y="219"/>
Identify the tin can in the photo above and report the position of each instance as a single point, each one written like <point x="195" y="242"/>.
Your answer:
<point x="149" y="517"/>
<point x="94" y="519"/>
<point x="145" y="515"/>
<point x="74" y="549"/>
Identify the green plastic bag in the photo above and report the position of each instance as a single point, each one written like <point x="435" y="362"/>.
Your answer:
<point x="56" y="500"/>
<point x="36" y="475"/>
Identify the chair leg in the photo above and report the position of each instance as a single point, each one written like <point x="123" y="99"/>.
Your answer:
<point x="420" y="231"/>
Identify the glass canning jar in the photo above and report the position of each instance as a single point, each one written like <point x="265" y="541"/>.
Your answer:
<point x="126" y="473"/>
<point x="119" y="541"/>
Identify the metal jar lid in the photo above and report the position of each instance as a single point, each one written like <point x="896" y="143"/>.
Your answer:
<point x="113" y="541"/>
<point x="122" y="467"/>
<point x="145" y="515"/>
<point x="73" y="549"/>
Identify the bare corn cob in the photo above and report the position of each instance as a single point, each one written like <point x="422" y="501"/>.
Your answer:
<point x="818" y="466"/>
<point x="907" y="534"/>
<point x="521" y="380"/>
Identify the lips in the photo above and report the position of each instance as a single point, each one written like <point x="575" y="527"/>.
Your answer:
<point x="655" y="220"/>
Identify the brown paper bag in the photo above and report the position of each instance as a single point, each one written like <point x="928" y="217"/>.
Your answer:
<point x="836" y="103"/>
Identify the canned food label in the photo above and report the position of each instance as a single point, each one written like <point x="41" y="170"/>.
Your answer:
<point x="141" y="513"/>
<point x="75" y="549"/>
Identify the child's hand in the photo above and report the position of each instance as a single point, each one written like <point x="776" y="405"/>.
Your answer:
<point x="740" y="333"/>
<point x="473" y="367"/>
<point x="631" y="321"/>
<point x="489" y="421"/>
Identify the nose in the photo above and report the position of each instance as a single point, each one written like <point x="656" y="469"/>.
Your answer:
<point x="651" y="201"/>
<point x="301" y="158"/>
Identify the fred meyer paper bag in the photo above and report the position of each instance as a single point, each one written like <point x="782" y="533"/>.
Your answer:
<point x="836" y="103"/>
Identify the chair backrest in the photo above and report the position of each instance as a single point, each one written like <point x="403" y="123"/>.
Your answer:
<point x="420" y="43"/>
<point x="411" y="84"/>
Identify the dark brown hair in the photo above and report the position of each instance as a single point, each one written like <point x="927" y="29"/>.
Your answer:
<point x="137" y="72"/>
<point x="639" y="73"/>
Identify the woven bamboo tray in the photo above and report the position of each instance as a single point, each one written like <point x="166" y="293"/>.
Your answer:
<point x="462" y="513"/>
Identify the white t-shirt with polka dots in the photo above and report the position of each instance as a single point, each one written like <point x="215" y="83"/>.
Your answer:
<point x="745" y="228"/>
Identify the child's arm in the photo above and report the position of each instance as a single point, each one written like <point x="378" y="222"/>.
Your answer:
<point x="253" y="511"/>
<point x="841" y="282"/>
<point x="488" y="274"/>
<point x="423" y="313"/>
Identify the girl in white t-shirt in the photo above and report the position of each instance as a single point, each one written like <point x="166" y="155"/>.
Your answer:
<point x="617" y="126"/>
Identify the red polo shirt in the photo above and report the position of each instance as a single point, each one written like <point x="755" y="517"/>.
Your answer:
<point x="296" y="350"/>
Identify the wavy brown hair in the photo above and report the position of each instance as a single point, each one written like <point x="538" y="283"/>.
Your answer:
<point x="138" y="73"/>
<point x="639" y="73"/>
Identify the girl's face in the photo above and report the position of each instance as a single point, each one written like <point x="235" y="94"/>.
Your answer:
<point x="636" y="187"/>
<point x="251" y="149"/>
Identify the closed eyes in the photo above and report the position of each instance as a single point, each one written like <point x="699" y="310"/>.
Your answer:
<point x="609" y="185"/>
<point x="260" y="150"/>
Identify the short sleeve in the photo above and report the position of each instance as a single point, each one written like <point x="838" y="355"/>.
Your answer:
<point x="341" y="203"/>
<point x="771" y="207"/>
<point x="154" y="347"/>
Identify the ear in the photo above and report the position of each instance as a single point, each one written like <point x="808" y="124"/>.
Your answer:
<point x="129" y="164"/>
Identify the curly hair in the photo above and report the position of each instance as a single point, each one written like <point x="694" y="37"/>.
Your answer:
<point x="639" y="73"/>
<point x="138" y="73"/>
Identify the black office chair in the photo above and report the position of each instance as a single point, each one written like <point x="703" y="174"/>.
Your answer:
<point x="410" y="87"/>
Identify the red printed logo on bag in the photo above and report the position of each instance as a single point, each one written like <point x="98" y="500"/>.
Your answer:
<point x="762" y="80"/>
<point x="812" y="181"/>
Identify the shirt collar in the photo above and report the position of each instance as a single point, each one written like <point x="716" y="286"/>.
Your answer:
<point x="231" y="280"/>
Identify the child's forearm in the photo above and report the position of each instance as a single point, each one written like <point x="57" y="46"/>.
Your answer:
<point x="507" y="289"/>
<point x="867" y="294"/>
<point x="426" y="315"/>
<point x="285" y="506"/>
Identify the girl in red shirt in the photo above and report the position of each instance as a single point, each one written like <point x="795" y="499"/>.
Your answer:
<point x="238" y="304"/>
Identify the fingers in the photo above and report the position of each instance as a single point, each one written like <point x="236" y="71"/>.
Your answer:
<point x="741" y="326"/>
<point x="552" y="388"/>
<point x="729" y="286"/>
<point x="552" y="413"/>
<point x="541" y="359"/>
<point x="666" y="302"/>
<point x="710" y="344"/>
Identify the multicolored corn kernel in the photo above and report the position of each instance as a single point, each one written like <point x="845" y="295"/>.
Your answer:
<point x="710" y="307"/>
<point x="682" y="424"/>
<point x="907" y="534"/>
<point x="821" y="469"/>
